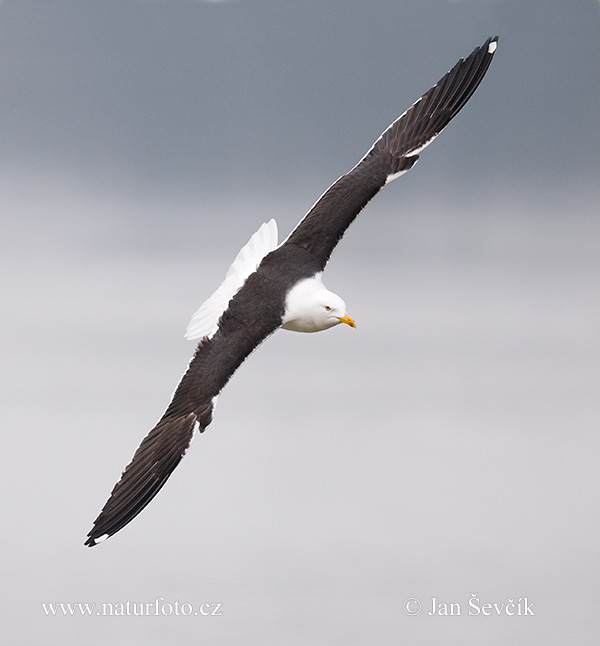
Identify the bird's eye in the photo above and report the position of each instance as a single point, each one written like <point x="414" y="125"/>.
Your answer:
<point x="327" y="308"/>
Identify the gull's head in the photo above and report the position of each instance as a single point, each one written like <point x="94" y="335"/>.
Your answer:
<point x="311" y="307"/>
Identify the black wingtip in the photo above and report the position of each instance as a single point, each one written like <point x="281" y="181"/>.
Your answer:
<point x="416" y="128"/>
<point x="152" y="464"/>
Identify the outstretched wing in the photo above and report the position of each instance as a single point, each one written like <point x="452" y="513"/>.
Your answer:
<point x="393" y="154"/>
<point x="244" y="325"/>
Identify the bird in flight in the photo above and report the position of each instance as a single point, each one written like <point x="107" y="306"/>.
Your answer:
<point x="269" y="286"/>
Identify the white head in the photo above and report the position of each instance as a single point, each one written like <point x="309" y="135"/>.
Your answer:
<point x="311" y="307"/>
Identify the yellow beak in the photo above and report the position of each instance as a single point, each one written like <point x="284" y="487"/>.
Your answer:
<point x="348" y="320"/>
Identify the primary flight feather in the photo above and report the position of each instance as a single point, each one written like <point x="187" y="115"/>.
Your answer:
<point x="270" y="286"/>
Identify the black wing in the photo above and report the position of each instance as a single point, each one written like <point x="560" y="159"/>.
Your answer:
<point x="253" y="314"/>
<point x="394" y="153"/>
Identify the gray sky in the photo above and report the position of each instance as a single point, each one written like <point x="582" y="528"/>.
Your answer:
<point x="446" y="447"/>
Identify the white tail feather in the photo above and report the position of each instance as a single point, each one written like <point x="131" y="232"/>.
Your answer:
<point x="205" y="321"/>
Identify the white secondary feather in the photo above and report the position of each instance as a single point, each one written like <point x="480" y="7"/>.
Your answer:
<point x="206" y="319"/>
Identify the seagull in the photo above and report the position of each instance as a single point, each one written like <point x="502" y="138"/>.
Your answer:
<point x="271" y="286"/>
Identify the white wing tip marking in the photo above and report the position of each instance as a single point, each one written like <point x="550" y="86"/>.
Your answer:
<point x="492" y="46"/>
<point x="101" y="539"/>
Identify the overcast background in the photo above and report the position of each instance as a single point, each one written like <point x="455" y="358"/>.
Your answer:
<point x="446" y="447"/>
